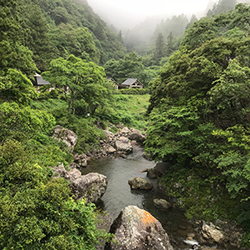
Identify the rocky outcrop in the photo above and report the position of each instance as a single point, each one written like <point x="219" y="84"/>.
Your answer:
<point x="65" y="135"/>
<point x="123" y="145"/>
<point x="140" y="183"/>
<point x="90" y="187"/>
<point x="162" y="204"/>
<point x="137" y="229"/>
<point x="225" y="235"/>
<point x="119" y="144"/>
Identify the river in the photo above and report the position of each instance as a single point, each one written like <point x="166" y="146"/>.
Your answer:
<point x="119" y="195"/>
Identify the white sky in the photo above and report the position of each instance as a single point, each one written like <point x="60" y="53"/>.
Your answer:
<point x="135" y="11"/>
<point x="152" y="7"/>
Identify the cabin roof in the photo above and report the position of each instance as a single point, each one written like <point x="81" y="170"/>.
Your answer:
<point x="40" y="81"/>
<point x="129" y="81"/>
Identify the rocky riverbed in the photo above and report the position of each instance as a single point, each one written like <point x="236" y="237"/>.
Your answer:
<point x="220" y="235"/>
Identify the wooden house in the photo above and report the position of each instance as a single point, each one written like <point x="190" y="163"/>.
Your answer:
<point x="131" y="83"/>
<point x="39" y="81"/>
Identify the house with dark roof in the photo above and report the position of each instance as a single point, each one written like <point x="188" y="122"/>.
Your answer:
<point x="131" y="83"/>
<point x="39" y="81"/>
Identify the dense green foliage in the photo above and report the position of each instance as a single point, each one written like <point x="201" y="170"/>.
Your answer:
<point x="52" y="29"/>
<point x="199" y="115"/>
<point x="83" y="82"/>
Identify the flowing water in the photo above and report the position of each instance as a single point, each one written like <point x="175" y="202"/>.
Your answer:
<point x="119" y="195"/>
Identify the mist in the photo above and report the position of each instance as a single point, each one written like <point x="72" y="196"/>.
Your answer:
<point x="126" y="14"/>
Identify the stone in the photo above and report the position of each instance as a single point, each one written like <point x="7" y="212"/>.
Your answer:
<point x="90" y="187"/>
<point x="137" y="136"/>
<point x="125" y="130"/>
<point x="211" y="232"/>
<point x="111" y="150"/>
<point x="135" y="228"/>
<point x="80" y="160"/>
<point x="65" y="135"/>
<point x="162" y="204"/>
<point x="140" y="183"/>
<point x="108" y="134"/>
<point x="123" y="144"/>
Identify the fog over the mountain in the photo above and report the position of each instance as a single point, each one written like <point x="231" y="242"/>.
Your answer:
<point x="126" y="14"/>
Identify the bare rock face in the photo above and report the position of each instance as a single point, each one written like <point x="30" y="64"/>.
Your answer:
<point x="140" y="183"/>
<point x="162" y="204"/>
<point x="91" y="187"/>
<point x="123" y="144"/>
<point x="65" y="135"/>
<point x="137" y="229"/>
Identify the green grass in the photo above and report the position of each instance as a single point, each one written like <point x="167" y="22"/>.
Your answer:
<point x="127" y="109"/>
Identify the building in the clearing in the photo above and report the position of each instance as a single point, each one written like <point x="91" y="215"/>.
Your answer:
<point x="131" y="83"/>
<point x="39" y="81"/>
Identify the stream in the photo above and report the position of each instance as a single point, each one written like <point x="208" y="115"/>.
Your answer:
<point x="119" y="195"/>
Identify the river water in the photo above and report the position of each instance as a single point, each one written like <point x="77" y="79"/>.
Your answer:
<point x="119" y="195"/>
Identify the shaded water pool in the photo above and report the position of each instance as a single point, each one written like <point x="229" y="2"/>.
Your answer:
<point x="119" y="195"/>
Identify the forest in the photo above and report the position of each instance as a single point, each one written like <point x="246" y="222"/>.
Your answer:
<point x="197" y="73"/>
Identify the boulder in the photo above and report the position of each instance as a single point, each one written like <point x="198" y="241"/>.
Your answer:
<point x="110" y="150"/>
<point x="90" y="187"/>
<point x="140" y="183"/>
<point x="80" y="160"/>
<point x="108" y="134"/>
<point x="211" y="233"/>
<point x="137" y="229"/>
<point x="137" y="136"/>
<point x="123" y="144"/>
<point x="65" y="135"/>
<point x="125" y="130"/>
<point x="162" y="204"/>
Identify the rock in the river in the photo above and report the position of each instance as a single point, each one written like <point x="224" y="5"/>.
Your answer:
<point x="162" y="204"/>
<point x="91" y="187"/>
<point x="123" y="144"/>
<point x="140" y="183"/>
<point x="80" y="160"/>
<point x="65" y="135"/>
<point x="137" y="229"/>
<point x="137" y="136"/>
<point x="210" y="232"/>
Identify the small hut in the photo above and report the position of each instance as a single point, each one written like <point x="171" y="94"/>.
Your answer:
<point x="39" y="81"/>
<point x="132" y="83"/>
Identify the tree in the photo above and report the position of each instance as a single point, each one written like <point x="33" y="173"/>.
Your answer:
<point x="83" y="80"/>
<point x="13" y="54"/>
<point x="170" y="48"/>
<point x="15" y="86"/>
<point x="160" y="48"/>
<point x="37" y="212"/>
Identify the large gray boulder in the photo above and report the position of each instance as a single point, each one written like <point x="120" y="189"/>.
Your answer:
<point x="90" y="187"/>
<point x="140" y="183"/>
<point x="65" y="135"/>
<point x="137" y="136"/>
<point x="137" y="229"/>
<point x="123" y="144"/>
